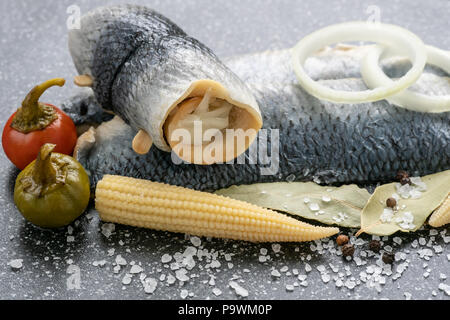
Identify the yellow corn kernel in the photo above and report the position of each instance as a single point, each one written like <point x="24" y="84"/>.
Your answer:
<point x="441" y="216"/>
<point x="147" y="204"/>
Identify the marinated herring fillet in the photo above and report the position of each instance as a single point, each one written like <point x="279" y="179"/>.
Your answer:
<point x="145" y="69"/>
<point x="320" y="141"/>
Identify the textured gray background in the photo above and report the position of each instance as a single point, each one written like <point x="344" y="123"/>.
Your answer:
<point x="34" y="48"/>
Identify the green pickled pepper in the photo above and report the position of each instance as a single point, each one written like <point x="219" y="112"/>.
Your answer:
<point x="53" y="190"/>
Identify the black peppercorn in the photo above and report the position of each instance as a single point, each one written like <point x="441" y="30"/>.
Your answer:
<point x="401" y="174"/>
<point x="348" y="250"/>
<point x="375" y="246"/>
<point x="391" y="202"/>
<point x="388" y="258"/>
<point x="342" y="239"/>
<point x="404" y="181"/>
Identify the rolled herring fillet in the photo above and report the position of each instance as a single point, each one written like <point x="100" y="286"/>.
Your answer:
<point x="145" y="70"/>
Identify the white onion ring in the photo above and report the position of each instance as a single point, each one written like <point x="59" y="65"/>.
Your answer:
<point x="386" y="34"/>
<point x="374" y="77"/>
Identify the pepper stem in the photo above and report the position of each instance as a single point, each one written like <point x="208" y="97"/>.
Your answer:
<point x="34" y="115"/>
<point x="44" y="172"/>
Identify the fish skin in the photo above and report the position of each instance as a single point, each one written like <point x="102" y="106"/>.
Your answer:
<point x="319" y="140"/>
<point x="341" y="62"/>
<point x="142" y="63"/>
<point x="84" y="109"/>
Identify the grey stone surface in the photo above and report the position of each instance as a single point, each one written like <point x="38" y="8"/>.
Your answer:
<point x="33" y="48"/>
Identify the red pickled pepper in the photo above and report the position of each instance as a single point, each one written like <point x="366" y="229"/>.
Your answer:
<point x="35" y="124"/>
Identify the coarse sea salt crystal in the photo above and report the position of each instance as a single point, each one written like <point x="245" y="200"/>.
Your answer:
<point x="326" y="199"/>
<point x="415" y="194"/>
<point x="408" y="217"/>
<point x="350" y="284"/>
<point x="181" y="275"/>
<point x="174" y="266"/>
<point x="321" y="268"/>
<point x="116" y="269"/>
<point x="289" y="287"/>
<point x="403" y="190"/>
<point x="16" y="264"/>
<point x="307" y="267"/>
<point x="276" y="247"/>
<point x="126" y="279"/>
<point x="290" y="178"/>
<point x="306" y="200"/>
<point x="238" y="289"/>
<point x="438" y="249"/>
<point x="196" y="241"/>
<point x="120" y="260"/>
<point x="136" y="269"/>
<point x="150" y="285"/>
<point x="217" y="292"/>
<point x="184" y="294"/>
<point x="387" y="215"/>
<point x="302" y="277"/>
<point x="314" y="207"/>
<point x="189" y="262"/>
<point x="100" y="263"/>
<point x="166" y="258"/>
<point x="419" y="184"/>
<point x="425" y="253"/>
<point x="190" y="251"/>
<point x="325" y="277"/>
<point x="170" y="279"/>
<point x="275" y="273"/>
<point x="108" y="229"/>
<point x="334" y="268"/>
<point x="263" y="251"/>
<point x="284" y="269"/>
<point x="444" y="287"/>
<point x="320" y="212"/>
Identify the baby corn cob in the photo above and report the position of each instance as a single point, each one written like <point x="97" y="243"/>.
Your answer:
<point x="441" y="216"/>
<point x="158" y="206"/>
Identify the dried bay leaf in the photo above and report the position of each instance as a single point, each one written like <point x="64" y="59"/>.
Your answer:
<point x="326" y="204"/>
<point x="438" y="188"/>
